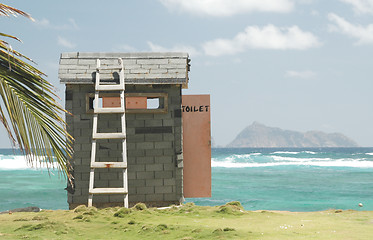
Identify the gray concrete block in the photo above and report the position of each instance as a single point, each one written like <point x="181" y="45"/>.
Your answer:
<point x="116" y="198"/>
<point x="130" y="116"/>
<point x="130" y="131"/>
<point x="152" y="61"/>
<point x="136" y="168"/>
<point x="128" y="62"/>
<point x="153" y="167"/>
<point x="158" y="71"/>
<point x="154" y="197"/>
<point x="153" y="152"/>
<point x="168" y="122"/>
<point x="163" y="189"/>
<point x="80" y="199"/>
<point x="69" y="55"/>
<point x="136" y="138"/>
<point x="163" y="174"/>
<point x="136" y="198"/>
<point x="170" y="197"/>
<point x="168" y="167"/>
<point x="162" y="145"/>
<point x="131" y="189"/>
<point x="145" y="145"/>
<point x="131" y="175"/>
<point x="169" y="182"/>
<point x="108" y="176"/>
<point x="145" y="190"/>
<point x="137" y="183"/>
<point x="153" y="137"/>
<point x="115" y="153"/>
<point x="144" y="175"/>
<point x="181" y="61"/>
<point x="100" y="198"/>
<point x="136" y="152"/>
<point x="85" y="178"/>
<point x="163" y="115"/>
<point x="150" y="66"/>
<point x="131" y="145"/>
<point x="168" y="137"/>
<point x="82" y="168"/>
<point x="138" y="70"/>
<point x="68" y="61"/>
<point x="144" y="160"/>
<point x="116" y="183"/>
<point x="101" y="184"/>
<point x="154" y="182"/>
<point x="85" y="191"/>
<point x="176" y="101"/>
<point x="153" y="123"/>
<point x="163" y="159"/>
<point x="88" y="62"/>
<point x="135" y="123"/>
<point x="176" y="70"/>
<point x="144" y="116"/>
<point x="173" y="66"/>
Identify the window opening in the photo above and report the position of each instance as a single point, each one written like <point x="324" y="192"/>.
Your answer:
<point x="135" y="102"/>
<point x="153" y="103"/>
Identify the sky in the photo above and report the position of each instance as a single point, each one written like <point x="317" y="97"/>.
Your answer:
<point x="294" y="64"/>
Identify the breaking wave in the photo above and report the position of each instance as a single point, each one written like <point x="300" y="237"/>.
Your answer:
<point x="19" y="162"/>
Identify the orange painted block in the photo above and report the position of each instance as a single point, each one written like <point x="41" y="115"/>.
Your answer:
<point x="196" y="145"/>
<point x="108" y="102"/>
<point x="136" y="102"/>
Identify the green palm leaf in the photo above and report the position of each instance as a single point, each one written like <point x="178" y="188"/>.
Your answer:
<point x="29" y="111"/>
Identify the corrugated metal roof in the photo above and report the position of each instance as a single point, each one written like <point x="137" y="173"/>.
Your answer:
<point x="139" y="68"/>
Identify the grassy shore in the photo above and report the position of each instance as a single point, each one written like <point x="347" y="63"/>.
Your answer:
<point x="229" y="221"/>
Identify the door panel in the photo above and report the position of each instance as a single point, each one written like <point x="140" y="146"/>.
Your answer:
<point x="196" y="145"/>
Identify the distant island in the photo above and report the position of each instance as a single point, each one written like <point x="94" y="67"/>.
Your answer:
<point x="259" y="135"/>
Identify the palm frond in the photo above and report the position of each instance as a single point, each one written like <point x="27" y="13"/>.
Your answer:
<point x="32" y="117"/>
<point x="8" y="11"/>
<point x="29" y="112"/>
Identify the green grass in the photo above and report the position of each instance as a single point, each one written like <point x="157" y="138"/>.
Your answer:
<point x="187" y="222"/>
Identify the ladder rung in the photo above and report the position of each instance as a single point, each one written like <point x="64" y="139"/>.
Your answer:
<point x="109" y="110"/>
<point x="108" y="136"/>
<point x="108" y="165"/>
<point x="109" y="68"/>
<point x="110" y="87"/>
<point x="108" y="191"/>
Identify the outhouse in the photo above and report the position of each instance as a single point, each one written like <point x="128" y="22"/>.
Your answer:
<point x="154" y="112"/>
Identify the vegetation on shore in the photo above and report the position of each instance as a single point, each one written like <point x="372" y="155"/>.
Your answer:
<point x="185" y="222"/>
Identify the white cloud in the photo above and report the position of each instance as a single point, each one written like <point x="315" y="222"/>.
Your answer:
<point x="364" y="34"/>
<point x="65" y="43"/>
<point x="45" y="23"/>
<point x="300" y="74"/>
<point x="73" y="23"/>
<point x="178" y="48"/>
<point x="361" y="6"/>
<point x="268" y="37"/>
<point x="228" y="7"/>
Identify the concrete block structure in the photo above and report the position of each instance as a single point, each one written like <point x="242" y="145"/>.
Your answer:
<point x="154" y="133"/>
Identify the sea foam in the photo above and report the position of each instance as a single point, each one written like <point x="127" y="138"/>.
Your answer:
<point x="19" y="162"/>
<point x="334" y="163"/>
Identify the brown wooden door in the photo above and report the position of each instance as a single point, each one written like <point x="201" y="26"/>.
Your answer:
<point x="196" y="145"/>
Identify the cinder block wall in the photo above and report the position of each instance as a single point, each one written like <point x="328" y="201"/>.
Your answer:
<point x="154" y="150"/>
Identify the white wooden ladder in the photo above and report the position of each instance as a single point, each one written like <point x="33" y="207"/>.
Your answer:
<point x="118" y="135"/>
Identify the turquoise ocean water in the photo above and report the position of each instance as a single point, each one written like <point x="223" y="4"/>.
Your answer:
<point x="271" y="179"/>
